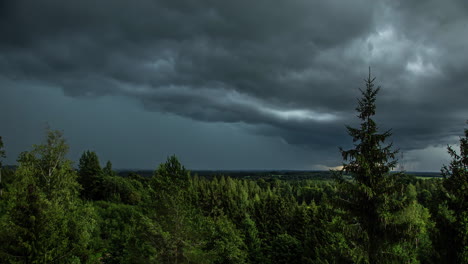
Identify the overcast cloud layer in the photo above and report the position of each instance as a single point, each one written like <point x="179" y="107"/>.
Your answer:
<point x="283" y="70"/>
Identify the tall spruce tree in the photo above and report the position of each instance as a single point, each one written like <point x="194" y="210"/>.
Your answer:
<point x="371" y="198"/>
<point x="456" y="184"/>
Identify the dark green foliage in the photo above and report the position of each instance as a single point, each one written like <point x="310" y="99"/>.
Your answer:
<point x="286" y="249"/>
<point x="171" y="176"/>
<point x="118" y="189"/>
<point x="8" y="177"/>
<point x="2" y="155"/>
<point x="90" y="172"/>
<point x="441" y="229"/>
<point x="108" y="169"/>
<point x="2" y="151"/>
<point x="121" y="234"/>
<point x="252" y="241"/>
<point x="173" y="214"/>
<point x="456" y="184"/>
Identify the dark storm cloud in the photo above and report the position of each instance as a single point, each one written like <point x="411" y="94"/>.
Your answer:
<point x="288" y="68"/>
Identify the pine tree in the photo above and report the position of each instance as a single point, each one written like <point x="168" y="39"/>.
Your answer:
<point x="456" y="184"/>
<point x="89" y="172"/>
<point x="371" y="197"/>
<point x="252" y="240"/>
<point x="108" y="169"/>
<point x="172" y="176"/>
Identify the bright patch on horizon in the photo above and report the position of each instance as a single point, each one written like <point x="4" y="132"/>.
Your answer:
<point x="324" y="167"/>
<point x="300" y="115"/>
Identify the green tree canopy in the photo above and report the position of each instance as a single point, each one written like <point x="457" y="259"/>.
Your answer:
<point x="47" y="167"/>
<point x="46" y="222"/>
<point x="172" y="176"/>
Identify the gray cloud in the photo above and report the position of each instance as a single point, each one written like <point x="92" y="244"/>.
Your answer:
<point x="287" y="69"/>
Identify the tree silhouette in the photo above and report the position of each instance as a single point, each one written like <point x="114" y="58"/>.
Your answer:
<point x="89" y="172"/>
<point x="456" y="184"/>
<point x="372" y="198"/>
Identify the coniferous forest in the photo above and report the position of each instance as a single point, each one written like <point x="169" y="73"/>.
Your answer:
<point x="54" y="211"/>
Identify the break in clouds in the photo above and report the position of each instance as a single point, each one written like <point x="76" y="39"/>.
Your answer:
<point x="286" y="69"/>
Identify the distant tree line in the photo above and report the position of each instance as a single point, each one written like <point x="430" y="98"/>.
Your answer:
<point x="52" y="213"/>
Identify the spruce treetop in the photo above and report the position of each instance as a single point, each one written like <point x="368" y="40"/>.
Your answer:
<point x="369" y="159"/>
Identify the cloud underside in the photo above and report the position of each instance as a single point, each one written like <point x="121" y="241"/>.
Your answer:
<point x="289" y="69"/>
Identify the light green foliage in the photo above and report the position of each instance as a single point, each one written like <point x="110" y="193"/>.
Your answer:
<point x="121" y="234"/>
<point x="46" y="222"/>
<point x="47" y="167"/>
<point x="414" y="222"/>
<point x="224" y="242"/>
<point x="173" y="212"/>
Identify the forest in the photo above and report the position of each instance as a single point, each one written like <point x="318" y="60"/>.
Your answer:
<point x="54" y="212"/>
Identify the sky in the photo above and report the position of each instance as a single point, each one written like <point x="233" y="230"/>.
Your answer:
<point x="265" y="84"/>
